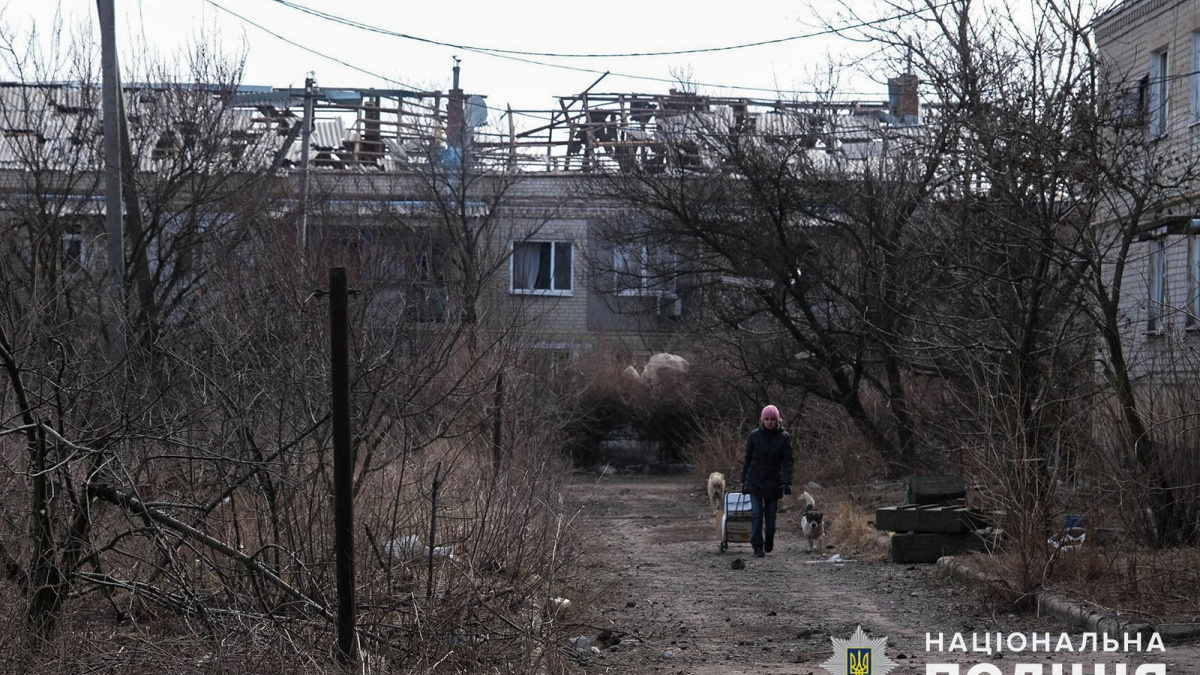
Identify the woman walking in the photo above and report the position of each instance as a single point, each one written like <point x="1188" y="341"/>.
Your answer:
<point x="766" y="476"/>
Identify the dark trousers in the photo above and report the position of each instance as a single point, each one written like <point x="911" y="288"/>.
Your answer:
<point x="762" y="514"/>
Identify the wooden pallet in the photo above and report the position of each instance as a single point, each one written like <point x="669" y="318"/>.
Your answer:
<point x="936" y="489"/>
<point x="931" y="518"/>
<point x="936" y="522"/>
<point x="927" y="547"/>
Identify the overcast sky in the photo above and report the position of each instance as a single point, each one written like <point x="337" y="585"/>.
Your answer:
<point x="167" y="28"/>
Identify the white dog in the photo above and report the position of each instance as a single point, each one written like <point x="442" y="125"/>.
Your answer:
<point x="716" y="490"/>
<point x="812" y="523"/>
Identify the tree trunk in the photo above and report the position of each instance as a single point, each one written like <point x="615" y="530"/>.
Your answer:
<point x="1167" y="525"/>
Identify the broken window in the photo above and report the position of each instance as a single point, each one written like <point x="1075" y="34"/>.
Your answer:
<point x="166" y="145"/>
<point x="74" y="249"/>
<point x="1131" y="106"/>
<point x="542" y="267"/>
<point x="644" y="270"/>
<point x="1157" y="282"/>
<point x="1158" y="93"/>
<point x="1194" y="77"/>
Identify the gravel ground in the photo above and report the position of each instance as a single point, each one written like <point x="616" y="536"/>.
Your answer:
<point x="674" y="603"/>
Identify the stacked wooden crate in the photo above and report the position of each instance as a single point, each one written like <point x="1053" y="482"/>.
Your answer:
<point x="935" y="522"/>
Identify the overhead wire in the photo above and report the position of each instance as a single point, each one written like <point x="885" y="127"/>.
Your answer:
<point x="500" y="111"/>
<point x="310" y="50"/>
<point x="519" y="55"/>
<point x="512" y="54"/>
<point x="519" y="52"/>
<point x="351" y="66"/>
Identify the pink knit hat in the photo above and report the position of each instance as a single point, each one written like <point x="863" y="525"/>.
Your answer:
<point x="770" y="413"/>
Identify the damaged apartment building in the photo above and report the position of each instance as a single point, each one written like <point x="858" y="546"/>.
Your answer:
<point x="395" y="183"/>
<point x="1151" y="52"/>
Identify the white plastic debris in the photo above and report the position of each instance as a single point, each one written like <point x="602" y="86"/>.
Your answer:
<point x="411" y="546"/>
<point x="1073" y="534"/>
<point x="1067" y="542"/>
<point x="835" y="559"/>
<point x="406" y="548"/>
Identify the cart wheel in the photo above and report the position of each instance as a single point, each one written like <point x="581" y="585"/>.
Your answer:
<point x="724" y="545"/>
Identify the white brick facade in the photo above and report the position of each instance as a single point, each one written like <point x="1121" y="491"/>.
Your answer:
<point x="1151" y="50"/>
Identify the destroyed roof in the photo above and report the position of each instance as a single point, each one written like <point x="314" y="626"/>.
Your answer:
<point x="57" y="125"/>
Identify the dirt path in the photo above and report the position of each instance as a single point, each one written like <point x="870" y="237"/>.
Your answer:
<point x="682" y="609"/>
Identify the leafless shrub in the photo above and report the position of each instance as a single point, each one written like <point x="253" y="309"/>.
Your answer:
<point x="852" y="532"/>
<point x="181" y="488"/>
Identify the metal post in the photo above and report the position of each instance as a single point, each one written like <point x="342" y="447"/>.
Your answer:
<point x="343" y="464"/>
<point x="111" y="89"/>
<point x="432" y="530"/>
<point x="497" y="424"/>
<point x="305" y="142"/>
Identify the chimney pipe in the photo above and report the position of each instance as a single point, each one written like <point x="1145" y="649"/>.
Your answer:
<point x="455" y="122"/>
<point x="904" y="98"/>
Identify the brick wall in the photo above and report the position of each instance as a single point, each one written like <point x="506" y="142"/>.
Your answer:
<point x="550" y="207"/>
<point x="555" y="314"/>
<point x="1127" y="37"/>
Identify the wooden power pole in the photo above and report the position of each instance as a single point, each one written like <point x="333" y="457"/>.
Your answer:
<point x="343" y="464"/>
<point x="305" y="144"/>
<point x="114" y="222"/>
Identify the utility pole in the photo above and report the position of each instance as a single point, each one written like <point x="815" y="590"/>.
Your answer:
<point x="111" y="90"/>
<point x="343" y="463"/>
<point x="498" y="426"/>
<point x="437" y="484"/>
<point x="305" y="142"/>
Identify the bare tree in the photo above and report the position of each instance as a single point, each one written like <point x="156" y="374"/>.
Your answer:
<point x="193" y="478"/>
<point x="802" y="247"/>
<point x="1058" y="178"/>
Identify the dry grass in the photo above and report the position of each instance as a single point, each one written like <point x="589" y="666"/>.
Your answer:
<point x="516" y="549"/>
<point x="1155" y="585"/>
<point x="1113" y="570"/>
<point x="826" y="447"/>
<point x="718" y="448"/>
<point x="851" y="530"/>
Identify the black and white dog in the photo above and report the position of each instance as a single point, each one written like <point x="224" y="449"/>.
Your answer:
<point x="812" y="523"/>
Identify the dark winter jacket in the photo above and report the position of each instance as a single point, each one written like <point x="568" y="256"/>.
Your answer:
<point x="768" y="465"/>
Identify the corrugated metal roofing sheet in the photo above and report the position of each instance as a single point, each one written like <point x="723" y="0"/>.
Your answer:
<point x="328" y="134"/>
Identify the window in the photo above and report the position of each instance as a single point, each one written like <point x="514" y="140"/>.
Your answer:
<point x="74" y="249"/>
<point x="1158" y="93"/>
<point x="643" y="270"/>
<point x="541" y="267"/>
<point x="1133" y="105"/>
<point x="1194" y="77"/>
<point x="1158" y="286"/>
